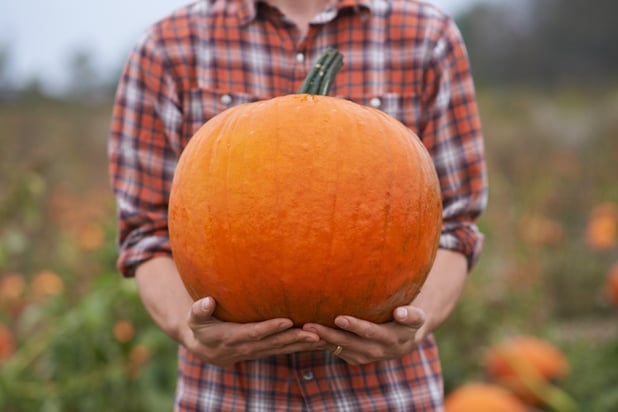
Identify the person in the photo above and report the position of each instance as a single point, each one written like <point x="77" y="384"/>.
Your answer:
<point x="404" y="57"/>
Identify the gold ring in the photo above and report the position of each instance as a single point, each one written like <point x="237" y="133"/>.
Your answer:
<point x="338" y="350"/>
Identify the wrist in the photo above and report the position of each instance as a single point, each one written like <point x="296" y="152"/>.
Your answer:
<point x="424" y="331"/>
<point x="184" y="336"/>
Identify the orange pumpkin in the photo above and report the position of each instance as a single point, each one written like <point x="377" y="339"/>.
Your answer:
<point x="306" y="207"/>
<point x="482" y="397"/>
<point x="602" y="227"/>
<point x="526" y="365"/>
<point x="611" y="285"/>
<point x="7" y="343"/>
<point x="527" y="352"/>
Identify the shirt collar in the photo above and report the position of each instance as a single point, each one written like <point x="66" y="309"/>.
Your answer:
<point x="246" y="10"/>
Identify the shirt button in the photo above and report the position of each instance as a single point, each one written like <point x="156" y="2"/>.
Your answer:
<point x="226" y="99"/>
<point x="375" y="102"/>
<point x="300" y="57"/>
<point x="308" y="375"/>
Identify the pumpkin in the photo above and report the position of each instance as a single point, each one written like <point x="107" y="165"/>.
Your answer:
<point x="611" y="285"/>
<point x="527" y="352"/>
<point x="45" y="284"/>
<point x="7" y="343"/>
<point x="305" y="206"/>
<point x="527" y="366"/>
<point x="602" y="227"/>
<point x="482" y="397"/>
<point x="12" y="294"/>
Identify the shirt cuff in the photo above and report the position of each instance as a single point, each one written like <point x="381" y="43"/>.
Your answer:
<point x="134" y="255"/>
<point x="465" y="239"/>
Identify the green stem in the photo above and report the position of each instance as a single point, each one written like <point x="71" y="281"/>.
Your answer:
<point x="320" y="78"/>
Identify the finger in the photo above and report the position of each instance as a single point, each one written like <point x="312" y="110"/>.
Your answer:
<point x="325" y="333"/>
<point x="289" y="341"/>
<point x="256" y="331"/>
<point x="202" y="310"/>
<point x="362" y="328"/>
<point x="410" y="316"/>
<point x="359" y="338"/>
<point x="290" y="348"/>
<point x="261" y="331"/>
<point x="293" y="337"/>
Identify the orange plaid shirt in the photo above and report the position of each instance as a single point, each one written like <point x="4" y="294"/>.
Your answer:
<point x="405" y="57"/>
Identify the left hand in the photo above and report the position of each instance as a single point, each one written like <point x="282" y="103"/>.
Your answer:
<point x="365" y="342"/>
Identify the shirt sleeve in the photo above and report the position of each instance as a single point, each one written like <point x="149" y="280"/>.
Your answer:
<point x="451" y="130"/>
<point x="143" y="152"/>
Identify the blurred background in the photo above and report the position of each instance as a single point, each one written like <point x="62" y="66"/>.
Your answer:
<point x="73" y="334"/>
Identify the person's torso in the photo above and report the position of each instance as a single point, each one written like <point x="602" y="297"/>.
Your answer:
<point x="221" y="55"/>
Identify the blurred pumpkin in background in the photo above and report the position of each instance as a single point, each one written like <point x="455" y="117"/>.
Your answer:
<point x="482" y="397"/>
<point x="611" y="285"/>
<point x="526" y="365"/>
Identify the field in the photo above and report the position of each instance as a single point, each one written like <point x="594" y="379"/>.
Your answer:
<point x="74" y="336"/>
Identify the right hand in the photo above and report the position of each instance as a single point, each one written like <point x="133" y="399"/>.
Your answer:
<point x="225" y="343"/>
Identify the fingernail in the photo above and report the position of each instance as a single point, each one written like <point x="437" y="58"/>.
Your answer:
<point x="401" y="313"/>
<point x="342" y="322"/>
<point x="310" y="329"/>
<point x="205" y="304"/>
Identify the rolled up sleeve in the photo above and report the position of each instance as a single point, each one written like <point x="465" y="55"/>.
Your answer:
<point x="451" y="130"/>
<point x="142" y="157"/>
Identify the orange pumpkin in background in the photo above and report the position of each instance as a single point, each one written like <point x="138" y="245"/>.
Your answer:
<point x="482" y="397"/>
<point x="602" y="227"/>
<point x="527" y="365"/>
<point x="7" y="343"/>
<point x="526" y="352"/>
<point x="305" y="206"/>
<point x="611" y="285"/>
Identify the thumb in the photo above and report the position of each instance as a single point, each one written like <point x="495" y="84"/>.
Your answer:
<point x="410" y="316"/>
<point x="202" y="310"/>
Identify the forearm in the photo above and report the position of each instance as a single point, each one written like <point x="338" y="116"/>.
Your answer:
<point x="165" y="296"/>
<point x="442" y="289"/>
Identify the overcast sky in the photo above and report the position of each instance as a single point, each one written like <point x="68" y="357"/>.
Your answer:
<point x="41" y="35"/>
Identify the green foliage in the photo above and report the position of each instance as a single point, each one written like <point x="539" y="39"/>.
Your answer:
<point x="552" y="161"/>
<point x="83" y="341"/>
<point x="70" y="360"/>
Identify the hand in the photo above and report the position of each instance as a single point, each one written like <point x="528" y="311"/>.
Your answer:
<point x="365" y="342"/>
<point x="225" y="343"/>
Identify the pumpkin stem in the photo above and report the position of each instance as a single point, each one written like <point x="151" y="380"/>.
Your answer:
<point x="320" y="78"/>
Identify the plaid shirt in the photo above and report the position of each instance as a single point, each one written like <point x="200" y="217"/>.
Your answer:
<point x="404" y="57"/>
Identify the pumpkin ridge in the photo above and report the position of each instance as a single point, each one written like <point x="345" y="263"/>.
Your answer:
<point x="419" y="207"/>
<point x="214" y="149"/>
<point x="409" y="238"/>
<point x="388" y="196"/>
<point x="278" y="204"/>
<point x="233" y="243"/>
<point x="333" y="214"/>
<point x="373" y="286"/>
<point x="245" y="164"/>
<point x="402" y="293"/>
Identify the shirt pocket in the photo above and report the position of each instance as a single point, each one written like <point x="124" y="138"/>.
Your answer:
<point x="201" y="105"/>
<point x="405" y="108"/>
